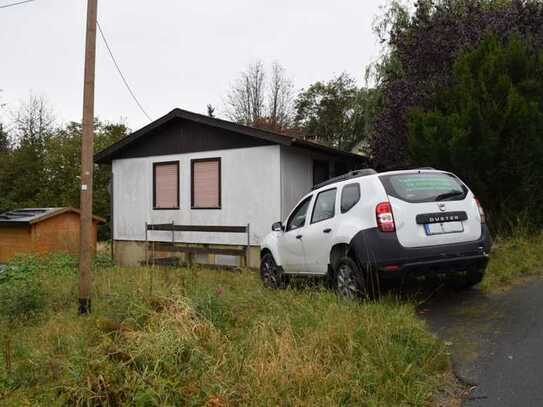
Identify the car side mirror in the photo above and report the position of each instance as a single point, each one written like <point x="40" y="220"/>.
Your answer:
<point x="277" y="227"/>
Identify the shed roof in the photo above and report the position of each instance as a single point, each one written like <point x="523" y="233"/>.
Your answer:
<point x="29" y="216"/>
<point x="113" y="151"/>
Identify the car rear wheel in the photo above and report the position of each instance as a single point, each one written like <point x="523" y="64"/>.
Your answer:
<point x="347" y="285"/>
<point x="351" y="282"/>
<point x="271" y="275"/>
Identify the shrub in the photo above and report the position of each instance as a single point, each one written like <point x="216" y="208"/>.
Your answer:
<point x="488" y="128"/>
<point x="423" y="43"/>
<point x="29" y="283"/>
<point x="21" y="298"/>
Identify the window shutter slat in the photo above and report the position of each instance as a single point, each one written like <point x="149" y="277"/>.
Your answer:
<point x="166" y="186"/>
<point x="206" y="184"/>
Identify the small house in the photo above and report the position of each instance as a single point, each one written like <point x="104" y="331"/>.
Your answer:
<point x="40" y="231"/>
<point x="193" y="170"/>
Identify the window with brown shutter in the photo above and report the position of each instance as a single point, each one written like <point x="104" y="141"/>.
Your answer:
<point x="166" y="185"/>
<point x="206" y="183"/>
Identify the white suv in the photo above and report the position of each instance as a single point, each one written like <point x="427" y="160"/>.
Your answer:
<point x="364" y="226"/>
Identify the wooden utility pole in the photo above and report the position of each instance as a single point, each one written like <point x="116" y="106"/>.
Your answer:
<point x="87" y="150"/>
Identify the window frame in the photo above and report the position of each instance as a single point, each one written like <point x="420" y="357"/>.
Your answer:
<point x="301" y="203"/>
<point x="158" y="164"/>
<point x="341" y="197"/>
<point x="199" y="160"/>
<point x="315" y="205"/>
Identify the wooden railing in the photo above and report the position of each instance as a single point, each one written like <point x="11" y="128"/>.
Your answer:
<point x="188" y="249"/>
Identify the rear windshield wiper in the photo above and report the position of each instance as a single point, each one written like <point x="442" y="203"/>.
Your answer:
<point x="448" y="195"/>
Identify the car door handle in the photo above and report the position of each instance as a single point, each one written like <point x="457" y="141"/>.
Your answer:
<point x="299" y="237"/>
<point x="327" y="230"/>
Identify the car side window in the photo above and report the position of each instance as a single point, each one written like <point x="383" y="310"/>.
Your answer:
<point x="297" y="218"/>
<point x="350" y="195"/>
<point x="325" y="206"/>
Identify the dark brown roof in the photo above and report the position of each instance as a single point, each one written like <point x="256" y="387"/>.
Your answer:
<point x="113" y="151"/>
<point x="29" y="216"/>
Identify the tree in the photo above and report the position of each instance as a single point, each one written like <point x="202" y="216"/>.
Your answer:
<point x="41" y="167"/>
<point x="106" y="134"/>
<point x="210" y="110"/>
<point x="487" y="127"/>
<point x="280" y="98"/>
<point x="5" y="158"/>
<point x="27" y="175"/>
<point x="254" y="102"/>
<point x="34" y="121"/>
<point x="334" y="113"/>
<point x="245" y="101"/>
<point x="5" y="144"/>
<point x="421" y="48"/>
<point x="63" y="164"/>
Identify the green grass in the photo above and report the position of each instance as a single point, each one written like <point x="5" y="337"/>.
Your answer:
<point x="514" y="259"/>
<point x="202" y="337"/>
<point x="205" y="337"/>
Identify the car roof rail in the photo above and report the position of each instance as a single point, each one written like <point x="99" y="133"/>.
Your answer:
<point x="406" y="167"/>
<point x="364" y="172"/>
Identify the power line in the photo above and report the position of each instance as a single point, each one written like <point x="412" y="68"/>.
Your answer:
<point x="119" y="71"/>
<point x="16" y="3"/>
<point x="102" y="35"/>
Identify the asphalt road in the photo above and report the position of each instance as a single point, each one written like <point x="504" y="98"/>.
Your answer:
<point x="496" y="342"/>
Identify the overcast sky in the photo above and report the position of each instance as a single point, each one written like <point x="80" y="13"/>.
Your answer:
<point x="176" y="53"/>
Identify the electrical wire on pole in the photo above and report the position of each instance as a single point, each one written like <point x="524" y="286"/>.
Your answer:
<point x="16" y="3"/>
<point x="110" y="52"/>
<point x="106" y="43"/>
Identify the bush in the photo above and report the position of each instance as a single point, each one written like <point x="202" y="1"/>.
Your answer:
<point x="422" y="44"/>
<point x="488" y="129"/>
<point x="21" y="298"/>
<point x="25" y="285"/>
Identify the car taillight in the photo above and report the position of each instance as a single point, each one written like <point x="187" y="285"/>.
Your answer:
<point x="385" y="219"/>
<point x="481" y="211"/>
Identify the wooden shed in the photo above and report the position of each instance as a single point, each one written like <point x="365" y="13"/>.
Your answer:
<point x="41" y="231"/>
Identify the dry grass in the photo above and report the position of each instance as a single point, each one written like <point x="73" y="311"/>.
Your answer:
<point x="217" y="338"/>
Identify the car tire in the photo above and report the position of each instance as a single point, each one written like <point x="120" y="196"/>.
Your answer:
<point x="271" y="275"/>
<point x="351" y="282"/>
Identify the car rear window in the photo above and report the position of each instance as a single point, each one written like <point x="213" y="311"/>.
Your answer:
<point x="424" y="187"/>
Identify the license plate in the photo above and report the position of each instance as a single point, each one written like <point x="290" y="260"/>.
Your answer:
<point x="442" y="228"/>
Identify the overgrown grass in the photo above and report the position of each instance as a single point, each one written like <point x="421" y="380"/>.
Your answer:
<point x="201" y="337"/>
<point x="217" y="338"/>
<point x="514" y="258"/>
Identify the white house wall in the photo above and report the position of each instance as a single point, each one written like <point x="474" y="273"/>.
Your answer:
<point x="296" y="178"/>
<point x="250" y="188"/>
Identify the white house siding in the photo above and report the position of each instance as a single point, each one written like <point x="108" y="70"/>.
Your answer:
<point x="296" y="178"/>
<point x="251" y="193"/>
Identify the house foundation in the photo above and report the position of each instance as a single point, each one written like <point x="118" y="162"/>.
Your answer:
<point x="133" y="253"/>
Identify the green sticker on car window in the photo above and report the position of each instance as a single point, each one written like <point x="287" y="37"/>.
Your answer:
<point x="426" y="183"/>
